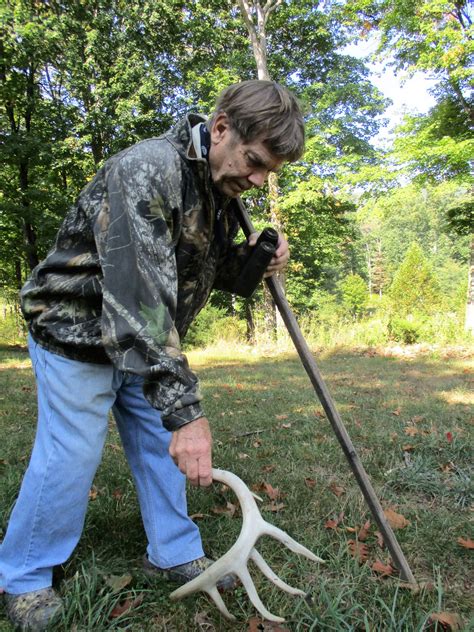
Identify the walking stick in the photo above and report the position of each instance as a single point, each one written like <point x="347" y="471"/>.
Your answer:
<point x="332" y="414"/>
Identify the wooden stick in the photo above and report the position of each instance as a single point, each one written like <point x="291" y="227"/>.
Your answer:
<point x="327" y="403"/>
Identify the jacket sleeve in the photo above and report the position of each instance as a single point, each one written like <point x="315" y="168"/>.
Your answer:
<point x="136" y="232"/>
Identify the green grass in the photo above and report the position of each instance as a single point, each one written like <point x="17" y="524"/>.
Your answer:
<point x="424" y="475"/>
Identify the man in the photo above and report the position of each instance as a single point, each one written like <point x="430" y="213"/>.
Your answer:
<point x="133" y="264"/>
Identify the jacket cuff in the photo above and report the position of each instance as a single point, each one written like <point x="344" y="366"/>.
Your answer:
<point x="182" y="417"/>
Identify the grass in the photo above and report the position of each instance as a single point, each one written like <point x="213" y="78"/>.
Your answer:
<point x="410" y="418"/>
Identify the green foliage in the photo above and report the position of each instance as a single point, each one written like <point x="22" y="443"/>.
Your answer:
<point x="414" y="288"/>
<point x="406" y="330"/>
<point x="213" y="326"/>
<point x="355" y="295"/>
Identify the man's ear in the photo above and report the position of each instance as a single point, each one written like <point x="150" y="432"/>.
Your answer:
<point x="220" y="128"/>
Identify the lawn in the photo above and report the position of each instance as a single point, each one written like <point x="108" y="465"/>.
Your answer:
<point x="410" y="417"/>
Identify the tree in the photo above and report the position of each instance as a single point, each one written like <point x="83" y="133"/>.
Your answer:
<point x="355" y="295"/>
<point x="414" y="289"/>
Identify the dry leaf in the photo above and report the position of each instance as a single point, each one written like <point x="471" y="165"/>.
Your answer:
<point x="93" y="493"/>
<point x="396" y="412"/>
<point x="418" y="587"/>
<point x="266" y="469"/>
<point x="285" y="426"/>
<point x="449" y="437"/>
<point x="259" y="625"/>
<point x="280" y="417"/>
<point x="273" y="507"/>
<point x="380" y="540"/>
<point x="118" y="582"/>
<point x="448" y="620"/>
<point x="396" y="520"/>
<point x="242" y="455"/>
<point x="309" y="482"/>
<point x="333" y="524"/>
<point x="117" y="494"/>
<point x="382" y="569"/>
<point x="467" y="543"/>
<point x="358" y="550"/>
<point x="204" y="622"/>
<point x="336" y="489"/>
<point x="199" y="516"/>
<point x="364" y="532"/>
<point x="257" y="443"/>
<point x="125" y="606"/>
<point x="408" y="448"/>
<point x="411" y="431"/>
<point x="228" y="510"/>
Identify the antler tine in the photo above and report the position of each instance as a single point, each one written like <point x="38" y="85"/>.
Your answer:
<point x="272" y="576"/>
<point x="249" y="586"/>
<point x="236" y="558"/>
<point x="292" y="544"/>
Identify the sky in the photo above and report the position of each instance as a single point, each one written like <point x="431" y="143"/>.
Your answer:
<point x="407" y="94"/>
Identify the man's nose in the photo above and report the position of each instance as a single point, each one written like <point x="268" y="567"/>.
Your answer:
<point x="257" y="178"/>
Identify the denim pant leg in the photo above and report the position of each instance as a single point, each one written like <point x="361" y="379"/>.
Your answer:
<point x="47" y="520"/>
<point x="173" y="538"/>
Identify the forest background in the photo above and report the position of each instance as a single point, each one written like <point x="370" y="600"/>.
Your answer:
<point x="381" y="239"/>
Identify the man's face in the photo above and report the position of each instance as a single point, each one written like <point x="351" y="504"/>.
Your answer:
<point x="237" y="166"/>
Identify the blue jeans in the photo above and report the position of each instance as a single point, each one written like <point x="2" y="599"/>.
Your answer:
<point x="74" y="399"/>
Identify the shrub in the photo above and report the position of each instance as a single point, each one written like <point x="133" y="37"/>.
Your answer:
<point x="213" y="325"/>
<point x="407" y="330"/>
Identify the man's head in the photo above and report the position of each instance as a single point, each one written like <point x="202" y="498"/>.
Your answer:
<point x="255" y="128"/>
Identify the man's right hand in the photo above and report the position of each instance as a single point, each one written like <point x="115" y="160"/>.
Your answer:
<point x="191" y="450"/>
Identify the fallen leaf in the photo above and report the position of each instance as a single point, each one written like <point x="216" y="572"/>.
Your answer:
<point x="466" y="543"/>
<point x="285" y="426"/>
<point x="364" y="532"/>
<point x="125" y="606"/>
<point x="93" y="493"/>
<point x="448" y="620"/>
<point x="396" y="520"/>
<point x="408" y="448"/>
<point x="257" y="443"/>
<point x="204" y="622"/>
<point x="449" y="437"/>
<point x="280" y="417"/>
<point x="118" y="582"/>
<point x="272" y="492"/>
<point x="333" y="524"/>
<point x="242" y="455"/>
<point x="260" y="625"/>
<point x="380" y="540"/>
<point x="393" y="436"/>
<point x="267" y="468"/>
<point x="411" y="431"/>
<point x="117" y="494"/>
<point x="240" y="387"/>
<point x="310" y="482"/>
<point x="358" y="550"/>
<point x="336" y="489"/>
<point x="273" y="507"/>
<point x="396" y="412"/>
<point x="228" y="510"/>
<point x="417" y="418"/>
<point x="382" y="569"/>
<point x="199" y="516"/>
<point x="446" y="468"/>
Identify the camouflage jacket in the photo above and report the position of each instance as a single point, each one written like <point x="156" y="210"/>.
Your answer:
<point x="134" y="262"/>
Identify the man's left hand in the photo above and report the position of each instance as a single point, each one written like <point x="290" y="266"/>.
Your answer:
<point x="281" y="256"/>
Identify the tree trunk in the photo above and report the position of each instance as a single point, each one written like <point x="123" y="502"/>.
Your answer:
<point x="256" y="26"/>
<point x="469" y="326"/>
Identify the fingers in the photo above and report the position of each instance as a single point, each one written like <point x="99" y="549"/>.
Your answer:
<point x="191" y="450"/>
<point x="280" y="259"/>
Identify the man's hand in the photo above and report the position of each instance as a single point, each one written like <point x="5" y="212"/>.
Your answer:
<point x="281" y="256"/>
<point x="191" y="450"/>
